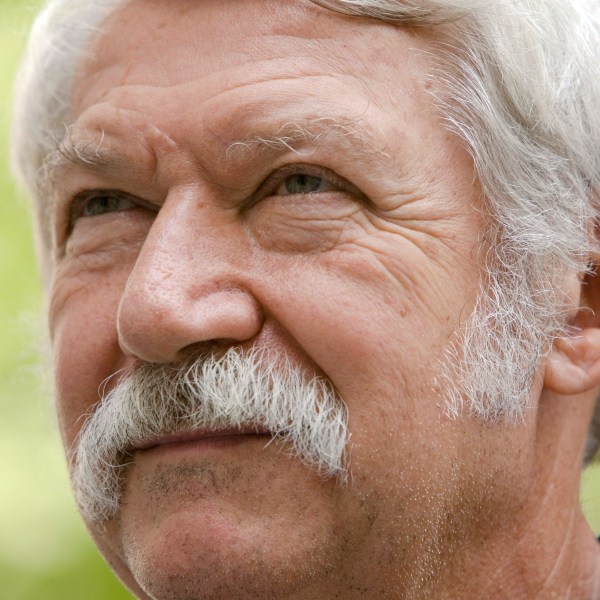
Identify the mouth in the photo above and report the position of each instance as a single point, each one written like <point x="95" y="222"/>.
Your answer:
<point x="202" y="438"/>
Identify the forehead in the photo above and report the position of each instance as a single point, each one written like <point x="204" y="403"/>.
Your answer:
<point x="164" y="44"/>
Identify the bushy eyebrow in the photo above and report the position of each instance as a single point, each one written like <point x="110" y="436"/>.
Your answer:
<point x="295" y="135"/>
<point x="82" y="153"/>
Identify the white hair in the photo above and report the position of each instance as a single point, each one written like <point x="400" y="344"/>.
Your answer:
<point x="251" y="392"/>
<point x="520" y="87"/>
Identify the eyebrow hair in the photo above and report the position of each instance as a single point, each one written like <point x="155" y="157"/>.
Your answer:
<point x="80" y="153"/>
<point x="293" y="135"/>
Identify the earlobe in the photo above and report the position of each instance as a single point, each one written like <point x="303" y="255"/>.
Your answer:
<point x="573" y="365"/>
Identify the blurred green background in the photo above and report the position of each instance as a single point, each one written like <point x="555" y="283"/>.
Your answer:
<point x="45" y="553"/>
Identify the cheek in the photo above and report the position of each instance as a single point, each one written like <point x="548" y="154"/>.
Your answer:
<point x="380" y="338"/>
<point x="377" y="335"/>
<point x="85" y="350"/>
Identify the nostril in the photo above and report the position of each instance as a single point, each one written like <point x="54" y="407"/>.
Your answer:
<point x="215" y="347"/>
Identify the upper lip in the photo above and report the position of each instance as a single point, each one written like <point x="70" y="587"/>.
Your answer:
<point x="182" y="437"/>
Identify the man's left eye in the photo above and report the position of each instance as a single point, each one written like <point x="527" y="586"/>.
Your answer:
<point x="301" y="183"/>
<point x="301" y="180"/>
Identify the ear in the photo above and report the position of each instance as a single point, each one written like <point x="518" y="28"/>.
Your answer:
<point x="573" y="365"/>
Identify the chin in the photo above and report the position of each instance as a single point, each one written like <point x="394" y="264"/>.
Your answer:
<point x="209" y="529"/>
<point x="182" y="561"/>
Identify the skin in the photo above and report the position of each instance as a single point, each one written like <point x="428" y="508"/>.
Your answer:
<point x="204" y="248"/>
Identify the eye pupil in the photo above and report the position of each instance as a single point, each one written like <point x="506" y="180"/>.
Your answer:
<point x="302" y="184"/>
<point x="99" y="205"/>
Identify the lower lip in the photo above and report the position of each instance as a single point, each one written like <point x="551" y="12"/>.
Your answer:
<point x="209" y="443"/>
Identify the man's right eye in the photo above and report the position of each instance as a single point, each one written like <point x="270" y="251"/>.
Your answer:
<point x="101" y="202"/>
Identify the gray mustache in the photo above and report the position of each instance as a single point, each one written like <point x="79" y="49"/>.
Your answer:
<point x="234" y="391"/>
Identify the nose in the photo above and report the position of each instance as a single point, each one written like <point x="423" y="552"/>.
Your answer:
<point x="189" y="288"/>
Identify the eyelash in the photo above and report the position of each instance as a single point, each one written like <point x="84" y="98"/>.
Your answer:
<point x="78" y="204"/>
<point x="276" y="179"/>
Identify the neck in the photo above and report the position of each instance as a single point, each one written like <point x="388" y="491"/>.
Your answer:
<point x="546" y="549"/>
<point x="538" y="546"/>
<point x="555" y="557"/>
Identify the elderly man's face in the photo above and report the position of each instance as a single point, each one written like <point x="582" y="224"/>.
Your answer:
<point x="281" y="181"/>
